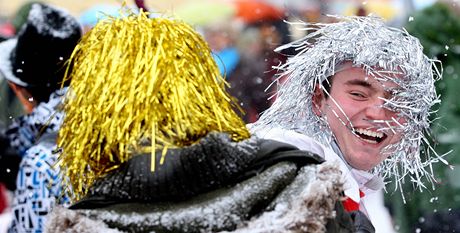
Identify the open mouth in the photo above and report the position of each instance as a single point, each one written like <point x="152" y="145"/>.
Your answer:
<point x="369" y="136"/>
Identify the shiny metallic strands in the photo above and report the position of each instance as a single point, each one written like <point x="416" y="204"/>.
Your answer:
<point x="387" y="54"/>
<point x="139" y="84"/>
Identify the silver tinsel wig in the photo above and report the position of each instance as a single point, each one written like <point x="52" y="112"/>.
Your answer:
<point x="385" y="53"/>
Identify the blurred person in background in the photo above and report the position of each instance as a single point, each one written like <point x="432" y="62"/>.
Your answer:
<point x="251" y="81"/>
<point x="32" y="63"/>
<point x="10" y="105"/>
<point x="242" y="38"/>
<point x="221" y="37"/>
<point x="248" y="81"/>
<point x="240" y="58"/>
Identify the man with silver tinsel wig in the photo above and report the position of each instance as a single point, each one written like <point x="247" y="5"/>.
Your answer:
<point x="361" y="93"/>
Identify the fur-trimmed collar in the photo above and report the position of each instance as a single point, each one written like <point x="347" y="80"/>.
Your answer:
<point x="305" y="205"/>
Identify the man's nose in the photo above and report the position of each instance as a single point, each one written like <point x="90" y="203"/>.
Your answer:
<point x="376" y="111"/>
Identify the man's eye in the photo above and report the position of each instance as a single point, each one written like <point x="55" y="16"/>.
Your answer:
<point x="358" y="94"/>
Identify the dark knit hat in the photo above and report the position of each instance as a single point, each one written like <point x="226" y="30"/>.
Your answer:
<point x="35" y="57"/>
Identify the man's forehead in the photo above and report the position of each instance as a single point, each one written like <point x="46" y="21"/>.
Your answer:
<point x="374" y="76"/>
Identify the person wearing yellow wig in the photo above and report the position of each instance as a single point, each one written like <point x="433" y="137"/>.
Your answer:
<point x="151" y="142"/>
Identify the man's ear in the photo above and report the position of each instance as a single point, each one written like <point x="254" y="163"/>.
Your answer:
<point x="24" y="96"/>
<point x="318" y="99"/>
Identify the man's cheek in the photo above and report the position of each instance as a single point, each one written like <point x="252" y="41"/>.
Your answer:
<point x="402" y="121"/>
<point x="398" y="124"/>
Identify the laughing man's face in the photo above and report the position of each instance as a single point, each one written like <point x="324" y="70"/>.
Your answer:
<point x="355" y="114"/>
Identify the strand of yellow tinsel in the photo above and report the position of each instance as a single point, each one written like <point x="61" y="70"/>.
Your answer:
<point x="135" y="80"/>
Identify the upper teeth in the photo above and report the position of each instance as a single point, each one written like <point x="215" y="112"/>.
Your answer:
<point x="370" y="133"/>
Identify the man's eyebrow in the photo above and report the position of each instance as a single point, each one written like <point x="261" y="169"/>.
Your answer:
<point x="359" y="83"/>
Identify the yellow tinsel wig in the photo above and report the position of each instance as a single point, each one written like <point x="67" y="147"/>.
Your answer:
<point x="139" y="84"/>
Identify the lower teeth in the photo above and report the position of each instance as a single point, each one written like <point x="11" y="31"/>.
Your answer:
<point x="369" y="141"/>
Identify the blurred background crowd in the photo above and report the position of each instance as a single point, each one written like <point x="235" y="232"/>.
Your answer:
<point x="243" y="35"/>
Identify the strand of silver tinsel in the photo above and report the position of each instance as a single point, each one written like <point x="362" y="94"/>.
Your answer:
<point x="387" y="54"/>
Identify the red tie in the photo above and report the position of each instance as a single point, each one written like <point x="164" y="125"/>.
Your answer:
<point x="351" y="205"/>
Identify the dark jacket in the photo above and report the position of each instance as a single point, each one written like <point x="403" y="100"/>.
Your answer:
<point x="212" y="186"/>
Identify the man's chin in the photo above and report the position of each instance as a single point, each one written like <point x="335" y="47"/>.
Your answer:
<point x="358" y="159"/>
